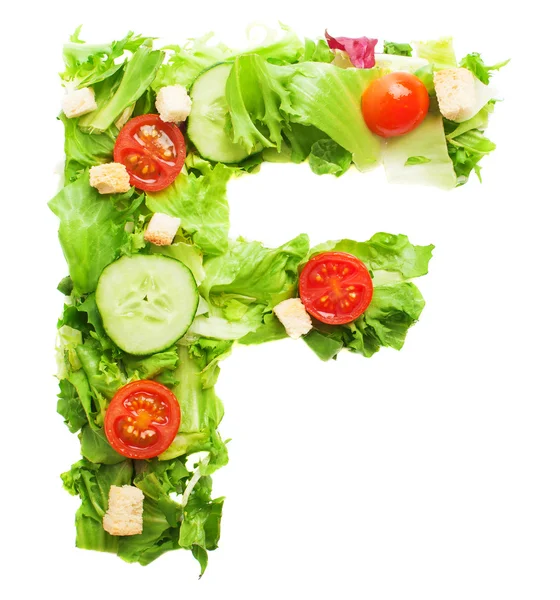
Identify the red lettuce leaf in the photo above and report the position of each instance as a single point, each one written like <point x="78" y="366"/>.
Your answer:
<point x="360" y="50"/>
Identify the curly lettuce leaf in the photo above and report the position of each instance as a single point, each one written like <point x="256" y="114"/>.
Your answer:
<point x="474" y="63"/>
<point x="88" y="64"/>
<point x="103" y="373"/>
<point x="139" y="72"/>
<point x="258" y="104"/>
<point x="187" y="62"/>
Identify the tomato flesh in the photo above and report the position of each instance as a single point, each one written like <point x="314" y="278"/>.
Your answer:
<point x="142" y="419"/>
<point x="152" y="151"/>
<point x="395" y="104"/>
<point x="335" y="287"/>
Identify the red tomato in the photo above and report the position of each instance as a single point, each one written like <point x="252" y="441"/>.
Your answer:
<point x="395" y="104"/>
<point x="152" y="151"/>
<point x="335" y="287"/>
<point x="142" y="419"/>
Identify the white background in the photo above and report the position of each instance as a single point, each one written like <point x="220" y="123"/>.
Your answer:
<point x="429" y="473"/>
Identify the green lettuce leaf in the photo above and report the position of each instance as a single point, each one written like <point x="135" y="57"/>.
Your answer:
<point x="187" y="62"/>
<point x="200" y="528"/>
<point x="201" y="409"/>
<point x="299" y="139"/>
<point x="474" y="63"/>
<point x="87" y="64"/>
<point x="201" y="204"/>
<point x="139" y="72"/>
<point x="92" y="483"/>
<point x="91" y="232"/>
<point x="258" y="104"/>
<point x="244" y="284"/>
<point x="95" y="324"/>
<point x="385" y="253"/>
<point x="83" y="150"/>
<point x="329" y="157"/>
<point x="439" y="53"/>
<point x="269" y="330"/>
<point x="426" y="76"/>
<point x="89" y="402"/>
<point x="467" y="145"/>
<point x="67" y="340"/>
<point x="318" y="51"/>
<point x="330" y="99"/>
<point x="149" y="367"/>
<point x="157" y="479"/>
<point x="103" y="373"/>
<point x="95" y="447"/>
<point x="157" y="536"/>
<point x="249" y="271"/>
<point x="402" y="49"/>
<point x="70" y="406"/>
<point x="416" y="160"/>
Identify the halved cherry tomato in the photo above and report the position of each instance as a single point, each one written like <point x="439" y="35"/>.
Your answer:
<point x="142" y="419"/>
<point x="335" y="287"/>
<point x="395" y="104"/>
<point x="152" y="151"/>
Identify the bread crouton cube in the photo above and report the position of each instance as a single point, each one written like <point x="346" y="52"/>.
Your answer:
<point x="109" y="178"/>
<point x="124" y="515"/>
<point x="292" y="314"/>
<point x="78" y="102"/>
<point x="162" y="229"/>
<point x="173" y="104"/>
<point x="456" y="93"/>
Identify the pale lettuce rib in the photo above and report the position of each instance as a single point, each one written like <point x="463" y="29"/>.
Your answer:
<point x="427" y="141"/>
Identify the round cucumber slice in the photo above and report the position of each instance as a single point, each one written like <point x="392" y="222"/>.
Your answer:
<point x="147" y="302"/>
<point x="207" y="122"/>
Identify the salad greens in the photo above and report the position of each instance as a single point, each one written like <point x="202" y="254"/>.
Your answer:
<point x="398" y="49"/>
<point x="283" y="100"/>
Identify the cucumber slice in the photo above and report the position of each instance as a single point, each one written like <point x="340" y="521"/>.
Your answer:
<point x="147" y="302"/>
<point x="206" y="125"/>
